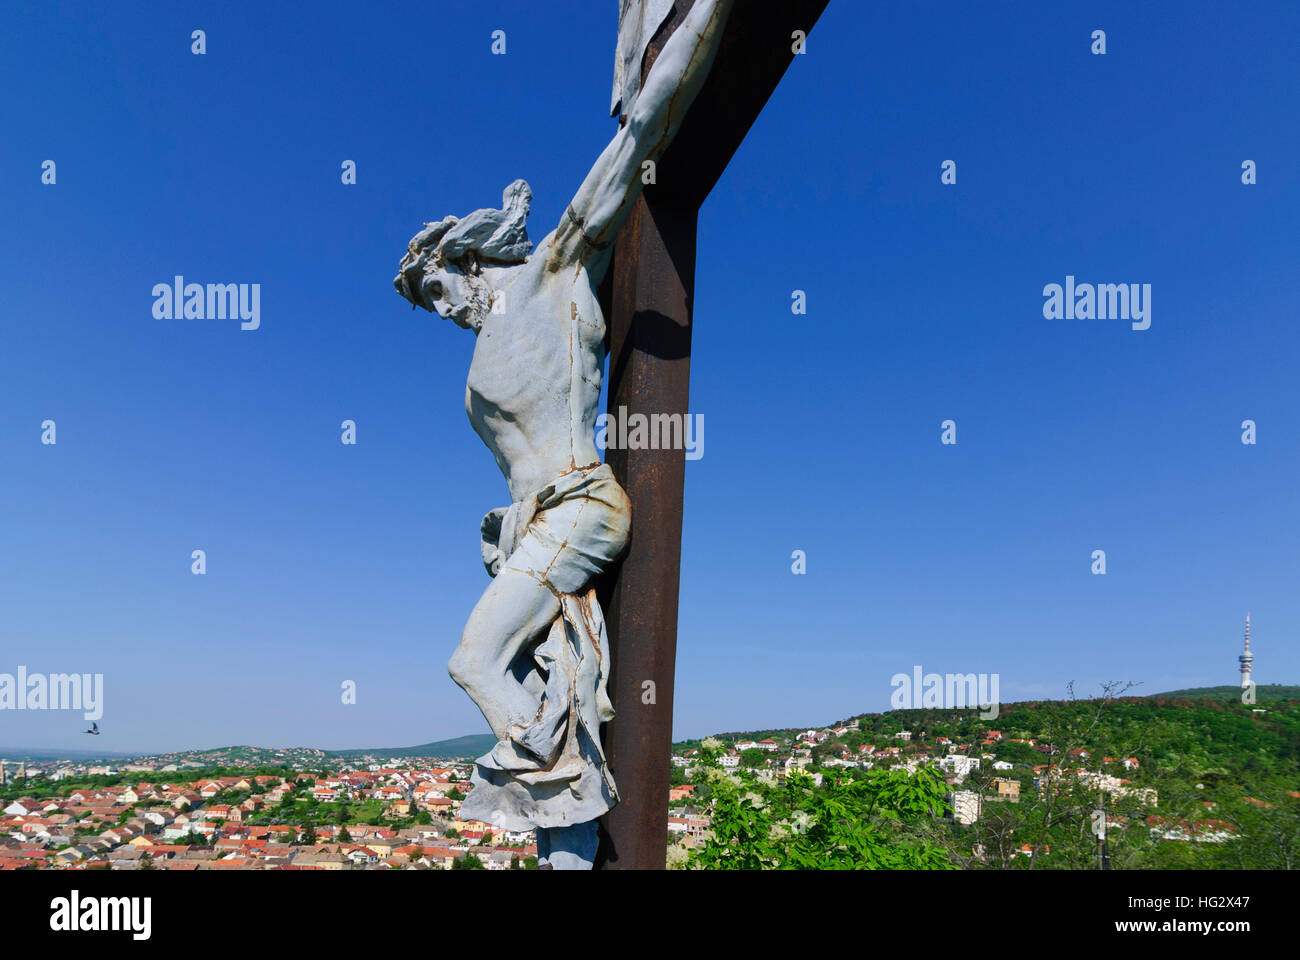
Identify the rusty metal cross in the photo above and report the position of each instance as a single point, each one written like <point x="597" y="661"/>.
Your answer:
<point x="648" y="302"/>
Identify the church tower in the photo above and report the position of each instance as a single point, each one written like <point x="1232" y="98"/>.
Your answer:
<point x="1246" y="658"/>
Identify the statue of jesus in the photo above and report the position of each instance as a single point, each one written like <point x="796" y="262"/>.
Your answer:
<point x="534" y="656"/>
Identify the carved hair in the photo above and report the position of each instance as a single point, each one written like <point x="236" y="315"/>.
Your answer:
<point x="487" y="235"/>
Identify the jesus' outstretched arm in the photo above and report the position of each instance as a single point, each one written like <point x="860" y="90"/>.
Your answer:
<point x="614" y="182"/>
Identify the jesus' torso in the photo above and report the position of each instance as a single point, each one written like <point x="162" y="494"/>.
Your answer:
<point x="534" y="383"/>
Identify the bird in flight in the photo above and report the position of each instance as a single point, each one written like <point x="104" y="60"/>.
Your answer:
<point x="94" y="728"/>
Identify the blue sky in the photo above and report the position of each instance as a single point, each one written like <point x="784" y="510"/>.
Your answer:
<point x="329" y="563"/>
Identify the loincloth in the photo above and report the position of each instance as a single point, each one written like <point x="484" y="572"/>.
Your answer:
<point x="551" y="771"/>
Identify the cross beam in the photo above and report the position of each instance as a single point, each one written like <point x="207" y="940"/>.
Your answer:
<point x="651" y="292"/>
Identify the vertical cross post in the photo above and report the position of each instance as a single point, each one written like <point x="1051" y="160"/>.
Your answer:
<point x="650" y="361"/>
<point x="649" y="323"/>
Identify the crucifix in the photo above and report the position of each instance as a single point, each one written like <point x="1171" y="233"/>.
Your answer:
<point x="538" y="656"/>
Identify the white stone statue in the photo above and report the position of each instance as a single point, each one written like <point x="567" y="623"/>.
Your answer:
<point x="534" y="655"/>
<point x="638" y="21"/>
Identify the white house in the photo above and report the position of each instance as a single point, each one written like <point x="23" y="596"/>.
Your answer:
<point x="965" y="806"/>
<point x="961" y="766"/>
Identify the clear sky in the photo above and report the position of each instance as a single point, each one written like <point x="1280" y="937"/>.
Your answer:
<point x="329" y="563"/>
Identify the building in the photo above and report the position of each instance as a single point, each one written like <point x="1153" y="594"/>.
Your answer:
<point x="958" y="765"/>
<point x="1007" y="789"/>
<point x="1246" y="659"/>
<point x="965" y="806"/>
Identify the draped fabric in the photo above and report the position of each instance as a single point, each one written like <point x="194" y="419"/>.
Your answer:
<point x="551" y="771"/>
<point x="638" y="21"/>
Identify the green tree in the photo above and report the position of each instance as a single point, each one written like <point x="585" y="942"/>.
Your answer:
<point x="875" y="822"/>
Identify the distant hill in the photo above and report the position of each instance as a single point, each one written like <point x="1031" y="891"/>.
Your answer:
<point x="473" y="745"/>
<point x="1264" y="693"/>
<point x="14" y="754"/>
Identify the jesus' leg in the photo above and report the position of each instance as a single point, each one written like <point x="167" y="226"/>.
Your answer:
<point x="515" y="609"/>
<point x="567" y="848"/>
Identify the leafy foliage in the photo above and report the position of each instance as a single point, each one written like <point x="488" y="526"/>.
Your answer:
<point x="1215" y="784"/>
<point x="847" y="824"/>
